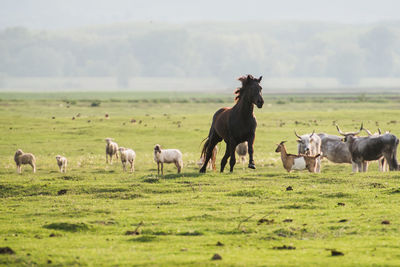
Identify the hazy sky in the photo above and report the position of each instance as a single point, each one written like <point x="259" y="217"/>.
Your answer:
<point x="73" y="13"/>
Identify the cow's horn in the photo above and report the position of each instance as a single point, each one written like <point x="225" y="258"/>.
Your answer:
<point x="368" y="132"/>
<point x="362" y="127"/>
<point x="297" y="134"/>
<point x="312" y="133"/>
<point x="342" y="133"/>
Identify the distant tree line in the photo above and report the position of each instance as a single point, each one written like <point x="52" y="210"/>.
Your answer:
<point x="223" y="50"/>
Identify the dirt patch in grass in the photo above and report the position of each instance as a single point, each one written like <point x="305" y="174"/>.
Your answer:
<point x="190" y="233"/>
<point x="284" y="247"/>
<point x="334" y="253"/>
<point x="266" y="221"/>
<point x="6" y="250"/>
<point x="337" y="195"/>
<point x="247" y="193"/>
<point x="144" y="238"/>
<point x="376" y="185"/>
<point x="216" y="256"/>
<point x="123" y="195"/>
<point x="62" y="192"/>
<point x="204" y="217"/>
<point x="68" y="227"/>
<point x="164" y="203"/>
<point x="329" y="181"/>
<point x="109" y="222"/>
<point x="71" y="178"/>
<point x="151" y="180"/>
<point x="299" y="206"/>
<point x="394" y="191"/>
<point x="285" y="232"/>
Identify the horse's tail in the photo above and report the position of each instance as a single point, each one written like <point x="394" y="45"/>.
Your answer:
<point x="205" y="146"/>
<point x="210" y="133"/>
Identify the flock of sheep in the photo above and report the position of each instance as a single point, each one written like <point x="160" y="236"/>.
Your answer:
<point x="128" y="156"/>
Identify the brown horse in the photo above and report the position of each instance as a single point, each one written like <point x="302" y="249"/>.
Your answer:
<point x="235" y="125"/>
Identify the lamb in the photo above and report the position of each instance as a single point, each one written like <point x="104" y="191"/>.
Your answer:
<point x="241" y="150"/>
<point x="297" y="162"/>
<point x="111" y="149"/>
<point x="162" y="156"/>
<point x="211" y="163"/>
<point x="127" y="155"/>
<point x="62" y="163"/>
<point x="22" y="158"/>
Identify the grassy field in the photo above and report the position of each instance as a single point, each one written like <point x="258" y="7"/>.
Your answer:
<point x="89" y="215"/>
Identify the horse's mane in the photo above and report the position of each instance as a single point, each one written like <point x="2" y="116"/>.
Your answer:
<point x="244" y="80"/>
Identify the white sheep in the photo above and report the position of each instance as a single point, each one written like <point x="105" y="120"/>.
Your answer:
<point x="111" y="149"/>
<point x="62" y="163"/>
<point x="127" y="155"/>
<point x="22" y="158"/>
<point x="241" y="150"/>
<point x="162" y="156"/>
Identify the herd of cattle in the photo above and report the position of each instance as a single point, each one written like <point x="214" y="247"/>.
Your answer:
<point x="354" y="149"/>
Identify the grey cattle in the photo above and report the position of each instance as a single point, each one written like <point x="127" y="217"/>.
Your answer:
<point x="364" y="149"/>
<point x="334" y="149"/>
<point x="383" y="166"/>
<point x="310" y="144"/>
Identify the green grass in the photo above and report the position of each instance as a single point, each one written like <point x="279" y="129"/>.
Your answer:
<point x="183" y="217"/>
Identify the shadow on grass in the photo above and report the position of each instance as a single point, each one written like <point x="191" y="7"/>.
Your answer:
<point x="68" y="227"/>
<point x="247" y="193"/>
<point x="181" y="175"/>
<point x="151" y="180"/>
<point x="190" y="233"/>
<point x="71" y="178"/>
<point x="103" y="171"/>
<point x="144" y="238"/>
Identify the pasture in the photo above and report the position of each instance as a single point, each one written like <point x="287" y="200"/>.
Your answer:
<point x="96" y="215"/>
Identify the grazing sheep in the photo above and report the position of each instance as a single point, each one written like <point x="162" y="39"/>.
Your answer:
<point x="296" y="162"/>
<point x="111" y="149"/>
<point x="62" y="163"/>
<point x="211" y="163"/>
<point x="241" y="150"/>
<point x="162" y="156"/>
<point x="22" y="158"/>
<point x="127" y="155"/>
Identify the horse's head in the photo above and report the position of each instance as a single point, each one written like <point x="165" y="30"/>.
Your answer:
<point x="251" y="90"/>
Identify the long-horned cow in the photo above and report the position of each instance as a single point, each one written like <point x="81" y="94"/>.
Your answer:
<point x="383" y="166"/>
<point x="364" y="149"/>
<point x="334" y="149"/>
<point x="310" y="144"/>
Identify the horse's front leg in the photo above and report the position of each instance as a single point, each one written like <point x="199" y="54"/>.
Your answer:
<point x="225" y="157"/>
<point x="250" y="143"/>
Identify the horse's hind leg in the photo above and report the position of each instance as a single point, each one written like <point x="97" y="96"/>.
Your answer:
<point x="232" y="161"/>
<point x="226" y="156"/>
<point x="212" y="142"/>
